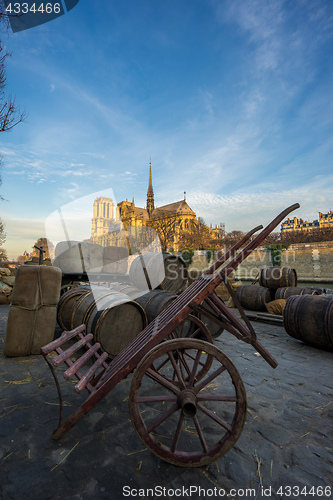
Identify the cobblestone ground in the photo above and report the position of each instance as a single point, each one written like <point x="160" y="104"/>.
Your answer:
<point x="285" y="448"/>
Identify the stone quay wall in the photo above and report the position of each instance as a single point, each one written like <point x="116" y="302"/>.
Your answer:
<point x="313" y="262"/>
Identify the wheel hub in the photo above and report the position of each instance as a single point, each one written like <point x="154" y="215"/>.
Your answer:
<point x="187" y="401"/>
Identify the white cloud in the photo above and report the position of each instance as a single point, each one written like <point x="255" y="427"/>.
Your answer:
<point x="244" y="209"/>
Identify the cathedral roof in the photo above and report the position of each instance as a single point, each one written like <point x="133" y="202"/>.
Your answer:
<point x="178" y="207"/>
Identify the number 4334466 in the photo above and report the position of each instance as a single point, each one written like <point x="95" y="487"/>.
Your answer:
<point x="23" y="8"/>
<point x="295" y="491"/>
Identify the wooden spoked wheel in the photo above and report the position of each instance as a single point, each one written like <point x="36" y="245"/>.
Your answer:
<point x="192" y="328"/>
<point x="188" y="422"/>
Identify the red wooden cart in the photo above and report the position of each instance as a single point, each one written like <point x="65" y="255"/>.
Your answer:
<point x="187" y="400"/>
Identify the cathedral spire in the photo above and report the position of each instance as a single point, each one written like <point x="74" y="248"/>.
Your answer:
<point x="150" y="193"/>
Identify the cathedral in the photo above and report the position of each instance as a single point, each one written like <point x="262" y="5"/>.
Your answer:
<point x="168" y="220"/>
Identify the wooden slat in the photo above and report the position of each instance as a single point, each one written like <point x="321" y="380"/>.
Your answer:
<point x="90" y="373"/>
<point x="77" y="365"/>
<point x="65" y="336"/>
<point x="71" y="350"/>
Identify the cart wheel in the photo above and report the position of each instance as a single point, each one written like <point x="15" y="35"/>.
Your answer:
<point x="191" y="423"/>
<point x="192" y="328"/>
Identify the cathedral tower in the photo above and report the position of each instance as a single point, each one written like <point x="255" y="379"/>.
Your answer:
<point x="150" y="194"/>
<point x="103" y="216"/>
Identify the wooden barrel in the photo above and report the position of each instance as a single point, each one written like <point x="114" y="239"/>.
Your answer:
<point x="284" y="293"/>
<point x="254" y="297"/>
<point x="130" y="290"/>
<point x="99" y="299"/>
<point x="165" y="271"/>
<point x="214" y="329"/>
<point x="154" y="302"/>
<point x="277" y="277"/>
<point x="117" y="325"/>
<point x="111" y="301"/>
<point x="66" y="304"/>
<point x="310" y="318"/>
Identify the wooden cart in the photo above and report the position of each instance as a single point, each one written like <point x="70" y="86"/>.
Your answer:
<point x="187" y="400"/>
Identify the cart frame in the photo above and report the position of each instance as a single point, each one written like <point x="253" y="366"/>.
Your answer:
<point x="142" y="349"/>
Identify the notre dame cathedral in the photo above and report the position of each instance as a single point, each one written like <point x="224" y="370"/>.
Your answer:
<point x="107" y="225"/>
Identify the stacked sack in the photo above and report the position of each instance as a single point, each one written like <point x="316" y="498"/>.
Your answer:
<point x="75" y="257"/>
<point x="6" y="284"/>
<point x="33" y="311"/>
<point x="115" y="260"/>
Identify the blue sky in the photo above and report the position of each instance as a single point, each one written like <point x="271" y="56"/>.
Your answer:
<point x="231" y="99"/>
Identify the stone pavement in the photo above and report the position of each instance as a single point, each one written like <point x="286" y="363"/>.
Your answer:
<point x="286" y="444"/>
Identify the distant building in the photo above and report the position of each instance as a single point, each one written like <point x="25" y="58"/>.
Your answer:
<point x="324" y="221"/>
<point x="106" y="224"/>
<point x="103" y="216"/>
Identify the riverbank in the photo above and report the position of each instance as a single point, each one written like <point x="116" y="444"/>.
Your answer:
<point x="312" y="262"/>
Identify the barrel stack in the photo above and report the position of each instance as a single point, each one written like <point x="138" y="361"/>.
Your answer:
<point x="275" y="277"/>
<point x="115" y="315"/>
<point x="112" y="317"/>
<point x="275" y="284"/>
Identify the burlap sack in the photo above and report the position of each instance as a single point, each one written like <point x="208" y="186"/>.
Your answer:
<point x="36" y="285"/>
<point x="234" y="286"/>
<point x="6" y="290"/>
<point x="95" y="253"/>
<point x="8" y="280"/>
<point x="47" y="262"/>
<point x="119" y="267"/>
<point x="113" y="254"/>
<point x="79" y="258"/>
<point x="231" y="303"/>
<point x="4" y="299"/>
<point x="276" y="306"/>
<point x="95" y="265"/>
<point x="70" y="266"/>
<point x="64" y="246"/>
<point x="29" y="330"/>
<point x="5" y="271"/>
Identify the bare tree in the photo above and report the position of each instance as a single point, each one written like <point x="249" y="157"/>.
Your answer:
<point x="304" y="236"/>
<point x="10" y="114"/>
<point x="168" y="226"/>
<point x="3" y="253"/>
<point x="197" y="236"/>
